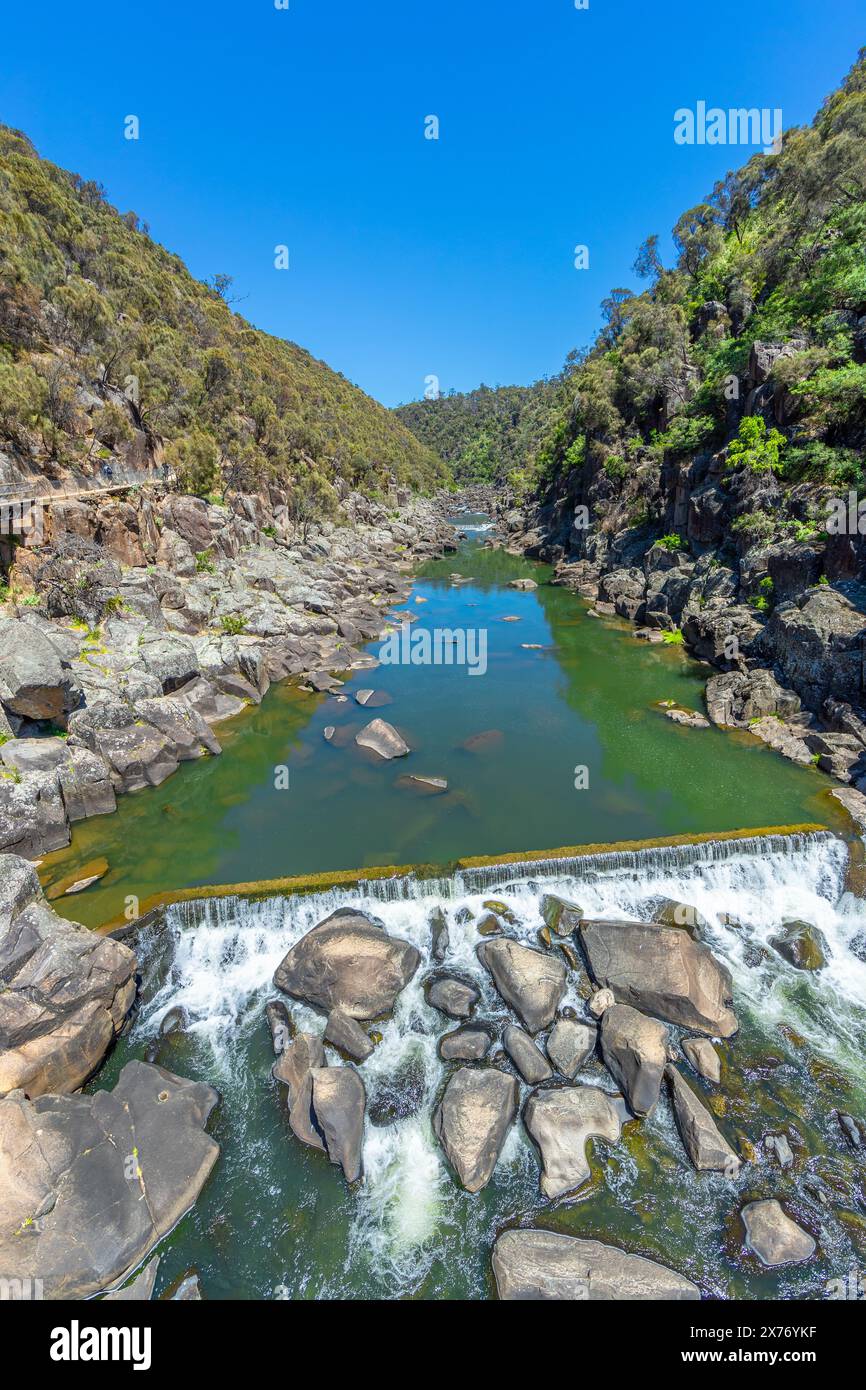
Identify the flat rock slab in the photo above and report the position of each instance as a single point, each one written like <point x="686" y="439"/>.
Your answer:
<point x="532" y="982"/>
<point x="472" y="1120"/>
<point x="773" y="1236"/>
<point x="348" y="963"/>
<point x="383" y="739"/>
<point x="541" y="1265"/>
<point x="65" y="991"/>
<point x="560" y="1122"/>
<point x="90" y="1184"/>
<point x="661" y="971"/>
<point x="635" y="1051"/>
<point x="705" y="1145"/>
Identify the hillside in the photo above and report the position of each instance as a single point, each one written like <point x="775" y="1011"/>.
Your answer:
<point x="109" y="347"/>
<point x="754" y="341"/>
<point x="486" y="435"/>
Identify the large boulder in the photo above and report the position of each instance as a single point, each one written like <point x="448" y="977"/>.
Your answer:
<point x="34" y="682"/>
<point x="138" y="755"/>
<point x="536" y="1265"/>
<point x="661" y="971"/>
<point x="467" y="1044"/>
<point x="634" y="1049"/>
<point x="90" y="1184"/>
<point x="65" y="991"/>
<point x="817" y="646"/>
<point x="561" y="1121"/>
<point x="338" y="1102"/>
<point x="735" y="698"/>
<point x="532" y="982"/>
<point x="472" y="1121"/>
<point x="346" y="962"/>
<point x="705" y="1145"/>
<point x="33" y="818"/>
<point x="773" y="1236"/>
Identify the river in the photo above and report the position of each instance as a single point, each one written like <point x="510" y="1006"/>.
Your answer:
<point x="562" y="690"/>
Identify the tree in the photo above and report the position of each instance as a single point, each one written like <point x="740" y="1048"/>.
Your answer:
<point x="648" y="262"/>
<point x="312" y="498"/>
<point x="194" y="458"/>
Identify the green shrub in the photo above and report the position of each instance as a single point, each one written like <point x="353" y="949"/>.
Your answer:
<point x="233" y="625"/>
<point x="755" y="448"/>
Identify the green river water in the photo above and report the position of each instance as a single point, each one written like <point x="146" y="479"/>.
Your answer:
<point x="275" y="1219"/>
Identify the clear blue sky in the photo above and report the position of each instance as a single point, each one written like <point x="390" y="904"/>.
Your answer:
<point x="411" y="257"/>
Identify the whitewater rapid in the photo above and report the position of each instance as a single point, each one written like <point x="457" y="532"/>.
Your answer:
<point x="224" y="953"/>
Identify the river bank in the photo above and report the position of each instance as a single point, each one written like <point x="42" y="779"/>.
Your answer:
<point x="560" y="691"/>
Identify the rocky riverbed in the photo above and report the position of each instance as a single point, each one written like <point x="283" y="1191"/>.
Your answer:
<point x="783" y="624"/>
<point x="142" y="624"/>
<point x="531" y="1088"/>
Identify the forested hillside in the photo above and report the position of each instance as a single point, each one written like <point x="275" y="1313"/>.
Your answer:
<point x="485" y="435"/>
<point x="755" y="338"/>
<point x="105" y="335"/>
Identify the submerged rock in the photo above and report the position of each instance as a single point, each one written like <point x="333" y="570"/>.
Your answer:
<point x="140" y="1290"/>
<point x="383" y="739"/>
<point x="528" y="1059"/>
<point x="661" y="971"/>
<point x="705" y="1145"/>
<point x="634" y="1049"/>
<point x="110" y="1174"/>
<point x="773" y="1236"/>
<point x="570" y="1045"/>
<point x="64" y="991"/>
<point x="560" y="1121"/>
<point x="536" y="1265"/>
<point x="801" y="945"/>
<point x="472" y="1120"/>
<point x="531" y="981"/>
<point x="338" y="1101"/>
<point x="349" y="963"/>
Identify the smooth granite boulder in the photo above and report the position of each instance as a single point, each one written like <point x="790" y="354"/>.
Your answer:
<point x="536" y="1265"/>
<point x="346" y="962"/>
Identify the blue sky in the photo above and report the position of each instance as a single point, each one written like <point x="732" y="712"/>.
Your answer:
<point x="411" y="257"/>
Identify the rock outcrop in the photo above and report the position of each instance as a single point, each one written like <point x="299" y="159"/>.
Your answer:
<point x="64" y="992"/>
<point x="348" y="963"/>
<point x="90" y="1184"/>
<point x="634" y="1049"/>
<point x="773" y="1236"/>
<point x="705" y="1145"/>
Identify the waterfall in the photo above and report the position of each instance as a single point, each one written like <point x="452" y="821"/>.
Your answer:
<point x="404" y="1218"/>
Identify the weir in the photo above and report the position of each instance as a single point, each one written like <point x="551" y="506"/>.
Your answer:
<point x="391" y="883"/>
